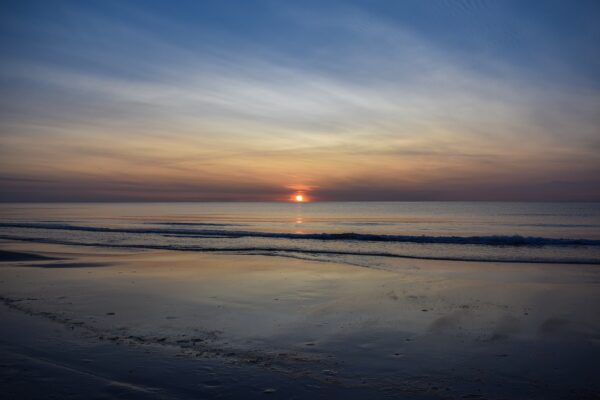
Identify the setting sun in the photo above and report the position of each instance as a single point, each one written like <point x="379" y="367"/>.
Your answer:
<point x="299" y="198"/>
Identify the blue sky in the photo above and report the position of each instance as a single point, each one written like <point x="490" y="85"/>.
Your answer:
<point x="342" y="100"/>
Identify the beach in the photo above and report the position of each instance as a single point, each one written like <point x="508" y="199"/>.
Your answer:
<point x="145" y="323"/>
<point x="300" y="200"/>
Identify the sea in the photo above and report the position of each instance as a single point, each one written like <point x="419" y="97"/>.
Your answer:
<point x="370" y="234"/>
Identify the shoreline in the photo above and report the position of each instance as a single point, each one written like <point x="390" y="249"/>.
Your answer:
<point x="282" y="252"/>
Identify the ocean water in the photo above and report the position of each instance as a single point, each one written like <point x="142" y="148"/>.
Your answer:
<point x="375" y="234"/>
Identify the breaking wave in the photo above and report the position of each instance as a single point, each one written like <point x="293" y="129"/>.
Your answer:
<point x="491" y="240"/>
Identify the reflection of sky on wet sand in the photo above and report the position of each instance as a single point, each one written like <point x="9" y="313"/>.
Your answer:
<point x="424" y="317"/>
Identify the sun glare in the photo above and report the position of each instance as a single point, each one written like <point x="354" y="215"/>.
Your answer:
<point x="299" y="198"/>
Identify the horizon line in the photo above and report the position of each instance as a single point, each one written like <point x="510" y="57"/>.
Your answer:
<point x="292" y="202"/>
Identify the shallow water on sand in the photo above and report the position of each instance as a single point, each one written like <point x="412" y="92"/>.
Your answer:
<point x="424" y="328"/>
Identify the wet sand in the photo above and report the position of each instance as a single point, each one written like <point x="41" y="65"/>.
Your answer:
<point x="6" y="255"/>
<point x="194" y="325"/>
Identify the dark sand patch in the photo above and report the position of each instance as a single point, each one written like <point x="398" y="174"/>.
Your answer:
<point x="447" y="323"/>
<point x="70" y="265"/>
<point x="6" y="255"/>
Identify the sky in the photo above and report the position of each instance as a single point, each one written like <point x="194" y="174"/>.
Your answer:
<point x="339" y="100"/>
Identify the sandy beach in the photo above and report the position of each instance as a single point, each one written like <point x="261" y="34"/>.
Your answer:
<point x="168" y="324"/>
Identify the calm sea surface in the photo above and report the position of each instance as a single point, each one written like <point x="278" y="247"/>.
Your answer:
<point x="363" y="233"/>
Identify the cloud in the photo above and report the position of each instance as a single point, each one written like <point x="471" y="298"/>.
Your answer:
<point x="371" y="102"/>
